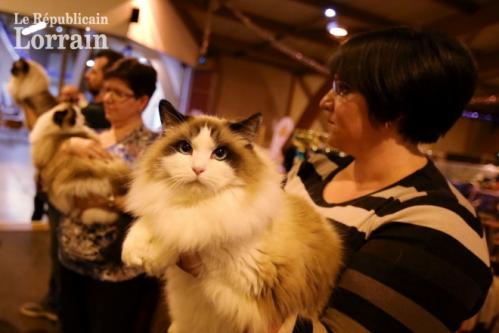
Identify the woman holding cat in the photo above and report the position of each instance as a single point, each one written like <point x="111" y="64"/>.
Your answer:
<point x="98" y="294"/>
<point x="416" y="255"/>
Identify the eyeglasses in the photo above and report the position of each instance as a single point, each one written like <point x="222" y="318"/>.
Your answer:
<point x="120" y="96"/>
<point x="341" y="88"/>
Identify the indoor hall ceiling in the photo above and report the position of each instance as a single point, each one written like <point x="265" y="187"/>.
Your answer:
<point x="301" y="25"/>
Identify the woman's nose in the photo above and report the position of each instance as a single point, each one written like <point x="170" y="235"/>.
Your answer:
<point x="107" y="98"/>
<point x="327" y="101"/>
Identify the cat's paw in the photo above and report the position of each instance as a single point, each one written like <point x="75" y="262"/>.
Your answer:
<point x="136" y="246"/>
<point x="154" y="267"/>
<point x="133" y="252"/>
<point x="145" y="253"/>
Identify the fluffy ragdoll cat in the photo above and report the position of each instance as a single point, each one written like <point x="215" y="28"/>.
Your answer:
<point x="29" y="87"/>
<point x="77" y="186"/>
<point x="266" y="255"/>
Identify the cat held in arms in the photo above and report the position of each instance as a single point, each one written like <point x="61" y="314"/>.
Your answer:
<point x="266" y="256"/>
<point x="29" y="87"/>
<point x="77" y="186"/>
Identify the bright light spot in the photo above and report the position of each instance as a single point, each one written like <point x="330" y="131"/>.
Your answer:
<point x="330" y="12"/>
<point x="90" y="63"/>
<point x="87" y="29"/>
<point x="34" y="28"/>
<point x="143" y="60"/>
<point x="58" y="29"/>
<point x="336" y="30"/>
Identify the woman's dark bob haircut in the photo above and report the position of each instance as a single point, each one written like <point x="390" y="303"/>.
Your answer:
<point x="139" y="77"/>
<point x="419" y="80"/>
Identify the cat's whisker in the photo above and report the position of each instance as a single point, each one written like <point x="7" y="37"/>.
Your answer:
<point x="176" y="182"/>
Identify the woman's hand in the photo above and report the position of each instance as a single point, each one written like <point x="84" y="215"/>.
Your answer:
<point x="85" y="148"/>
<point x="191" y="263"/>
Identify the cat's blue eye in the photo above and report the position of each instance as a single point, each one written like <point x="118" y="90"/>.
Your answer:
<point x="220" y="153"/>
<point x="184" y="147"/>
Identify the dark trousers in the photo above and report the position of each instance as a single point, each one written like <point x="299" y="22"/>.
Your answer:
<point x="39" y="202"/>
<point x="51" y="299"/>
<point x="93" y="306"/>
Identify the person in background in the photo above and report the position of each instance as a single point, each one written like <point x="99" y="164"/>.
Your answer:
<point x="416" y="259"/>
<point x="98" y="294"/>
<point x="70" y="93"/>
<point x="94" y="77"/>
<point x="95" y="118"/>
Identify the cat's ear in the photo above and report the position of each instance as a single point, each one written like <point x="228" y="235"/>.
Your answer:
<point x="169" y="115"/>
<point x="59" y="116"/>
<point x="248" y="128"/>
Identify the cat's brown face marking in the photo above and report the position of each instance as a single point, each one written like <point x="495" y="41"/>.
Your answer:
<point x="203" y="143"/>
<point x="19" y="68"/>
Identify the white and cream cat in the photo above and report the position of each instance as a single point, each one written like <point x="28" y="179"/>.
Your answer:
<point x="265" y="255"/>
<point x="77" y="186"/>
<point x="29" y="87"/>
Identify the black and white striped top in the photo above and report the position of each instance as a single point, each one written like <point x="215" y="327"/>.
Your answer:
<point x="416" y="256"/>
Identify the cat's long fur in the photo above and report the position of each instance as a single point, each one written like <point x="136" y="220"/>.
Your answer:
<point x="29" y="87"/>
<point x="69" y="178"/>
<point x="265" y="255"/>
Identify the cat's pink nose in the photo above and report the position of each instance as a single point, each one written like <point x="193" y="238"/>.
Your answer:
<point x="197" y="170"/>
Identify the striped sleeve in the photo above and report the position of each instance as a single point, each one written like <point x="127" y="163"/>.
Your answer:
<point x="408" y="278"/>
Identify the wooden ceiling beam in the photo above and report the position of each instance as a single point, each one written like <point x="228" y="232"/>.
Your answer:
<point x="487" y="64"/>
<point x="221" y="45"/>
<point x="464" y="6"/>
<point x="276" y="27"/>
<point x="189" y="22"/>
<point x="349" y="11"/>
<point x="271" y="25"/>
<point x="487" y="88"/>
<point x="462" y="24"/>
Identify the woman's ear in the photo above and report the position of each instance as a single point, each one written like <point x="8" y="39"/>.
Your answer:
<point x="143" y="101"/>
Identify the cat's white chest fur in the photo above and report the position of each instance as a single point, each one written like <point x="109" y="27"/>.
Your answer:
<point x="221" y="298"/>
<point x="223" y="230"/>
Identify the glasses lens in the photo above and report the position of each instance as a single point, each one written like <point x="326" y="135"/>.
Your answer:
<point x="341" y="88"/>
<point x="117" y="95"/>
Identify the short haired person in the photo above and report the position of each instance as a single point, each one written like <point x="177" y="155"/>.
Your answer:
<point x="94" y="77"/>
<point x="95" y="118"/>
<point x="416" y="258"/>
<point x="98" y="294"/>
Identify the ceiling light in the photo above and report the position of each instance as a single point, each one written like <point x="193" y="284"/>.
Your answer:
<point x="90" y="63"/>
<point x="334" y="29"/>
<point x="330" y="12"/>
<point x="338" y="32"/>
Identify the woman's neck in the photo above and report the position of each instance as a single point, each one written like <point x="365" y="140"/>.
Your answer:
<point x="119" y="131"/>
<point x="386" y="162"/>
<point x="122" y="129"/>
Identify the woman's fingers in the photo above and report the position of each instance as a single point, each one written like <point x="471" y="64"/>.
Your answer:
<point x="191" y="263"/>
<point x="88" y="148"/>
